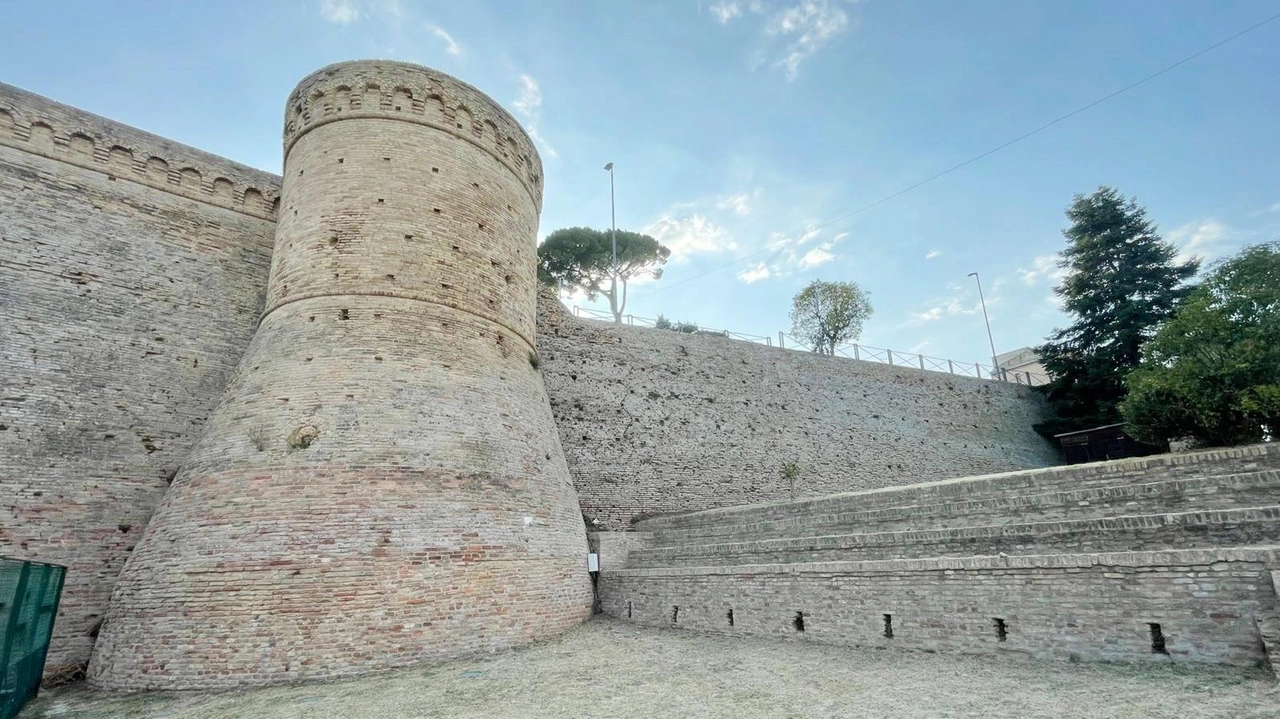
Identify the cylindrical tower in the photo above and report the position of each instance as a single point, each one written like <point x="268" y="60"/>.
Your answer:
<point x="382" y="483"/>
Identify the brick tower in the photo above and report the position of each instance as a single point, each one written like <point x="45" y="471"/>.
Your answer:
<point x="382" y="483"/>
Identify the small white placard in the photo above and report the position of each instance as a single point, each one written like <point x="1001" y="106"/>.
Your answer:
<point x="593" y="562"/>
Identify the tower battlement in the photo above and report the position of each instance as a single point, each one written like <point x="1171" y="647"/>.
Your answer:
<point x="382" y="483"/>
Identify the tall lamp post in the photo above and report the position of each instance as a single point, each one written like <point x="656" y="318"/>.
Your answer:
<point x="613" y="240"/>
<point x="995" y="366"/>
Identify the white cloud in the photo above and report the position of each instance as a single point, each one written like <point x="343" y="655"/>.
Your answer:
<point x="755" y="273"/>
<point x="932" y="254"/>
<point x="530" y="100"/>
<point x="528" y="105"/>
<point x="339" y="12"/>
<point x="806" y="27"/>
<point x="541" y="142"/>
<point x="919" y="348"/>
<point x="793" y="33"/>
<point x="726" y="10"/>
<point x="450" y="45"/>
<point x="740" y="204"/>
<point x="963" y="304"/>
<point x="1044" y="267"/>
<point x="689" y="235"/>
<point x="1206" y="239"/>
<point x="817" y="256"/>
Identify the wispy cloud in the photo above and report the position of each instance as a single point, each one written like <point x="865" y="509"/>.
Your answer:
<point x="755" y="273"/>
<point x="726" y="10"/>
<point x="1044" y="267"/>
<point x="793" y="32"/>
<point x="806" y="28"/>
<point x="1207" y="239"/>
<point x="529" y="102"/>
<point x="963" y="303"/>
<point x="740" y="204"/>
<point x="690" y="234"/>
<point x="528" y="105"/>
<point x="339" y="12"/>
<point x="450" y="45"/>
<point x="932" y="254"/>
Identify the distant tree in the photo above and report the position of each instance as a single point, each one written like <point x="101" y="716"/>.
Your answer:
<point x="828" y="314"/>
<point x="1122" y="281"/>
<point x="580" y="258"/>
<point x="1212" y="373"/>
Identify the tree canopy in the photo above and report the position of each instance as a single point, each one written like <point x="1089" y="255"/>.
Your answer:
<point x="828" y="314"/>
<point x="581" y="258"/>
<point x="1122" y="280"/>
<point x="1212" y="373"/>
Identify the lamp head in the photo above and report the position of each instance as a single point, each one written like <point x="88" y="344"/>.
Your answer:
<point x="973" y="274"/>
<point x="609" y="167"/>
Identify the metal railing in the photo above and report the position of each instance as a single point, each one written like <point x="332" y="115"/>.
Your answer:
<point x="865" y="353"/>
<point x="634" y="321"/>
<point x="881" y="355"/>
<point x="29" y="593"/>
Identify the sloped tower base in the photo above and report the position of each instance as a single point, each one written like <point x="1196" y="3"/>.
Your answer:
<point x="383" y="483"/>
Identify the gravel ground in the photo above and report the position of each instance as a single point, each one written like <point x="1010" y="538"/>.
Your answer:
<point x="612" y="669"/>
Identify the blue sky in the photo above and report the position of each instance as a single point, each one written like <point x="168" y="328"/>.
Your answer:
<point x="742" y="128"/>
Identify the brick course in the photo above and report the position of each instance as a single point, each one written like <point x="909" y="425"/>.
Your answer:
<point x="382" y="483"/>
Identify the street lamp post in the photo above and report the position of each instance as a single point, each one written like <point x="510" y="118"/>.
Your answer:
<point x="613" y="240"/>
<point x="995" y="366"/>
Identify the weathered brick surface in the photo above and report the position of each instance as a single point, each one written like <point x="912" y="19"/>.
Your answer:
<point x="382" y="483"/>
<point x="1089" y="607"/>
<point x="132" y="273"/>
<point x="947" y="559"/>
<point x="655" y="422"/>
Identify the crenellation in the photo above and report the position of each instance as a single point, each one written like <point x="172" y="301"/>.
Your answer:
<point x="43" y="127"/>
<point x="419" y="95"/>
<point x="250" y="412"/>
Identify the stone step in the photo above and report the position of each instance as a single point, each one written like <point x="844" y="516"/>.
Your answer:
<point x="1148" y="532"/>
<point x="1218" y="462"/>
<point x="1200" y="493"/>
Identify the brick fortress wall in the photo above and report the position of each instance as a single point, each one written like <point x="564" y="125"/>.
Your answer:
<point x="1166" y="558"/>
<point x="382" y="483"/>
<point x="654" y="421"/>
<point x="133" y="271"/>
<point x="132" y="274"/>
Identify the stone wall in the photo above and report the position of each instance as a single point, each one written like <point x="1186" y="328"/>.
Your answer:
<point x="132" y="273"/>
<point x="1074" y="562"/>
<point x="655" y="421"/>
<point x="1089" y="607"/>
<point x="382" y="483"/>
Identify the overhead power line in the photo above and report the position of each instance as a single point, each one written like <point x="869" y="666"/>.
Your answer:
<point x="975" y="158"/>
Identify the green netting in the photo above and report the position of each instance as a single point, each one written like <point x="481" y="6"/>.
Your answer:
<point x="29" y="593"/>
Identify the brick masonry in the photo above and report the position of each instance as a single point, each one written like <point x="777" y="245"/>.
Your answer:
<point x="967" y="566"/>
<point x="382" y="483"/>
<point x="132" y="273"/>
<point x="655" y="422"/>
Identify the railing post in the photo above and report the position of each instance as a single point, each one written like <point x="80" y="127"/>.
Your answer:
<point x="951" y="367"/>
<point x="768" y="341"/>
<point x="889" y="354"/>
<point x="631" y="320"/>
<point x="781" y="343"/>
<point x="856" y="354"/>
<point x="921" y="361"/>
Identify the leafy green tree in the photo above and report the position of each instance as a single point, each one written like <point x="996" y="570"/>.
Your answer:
<point x="826" y="315"/>
<point x="580" y="258"/>
<point x="1212" y="373"/>
<point x="1122" y="281"/>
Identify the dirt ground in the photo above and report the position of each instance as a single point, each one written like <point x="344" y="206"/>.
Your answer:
<point x="612" y="669"/>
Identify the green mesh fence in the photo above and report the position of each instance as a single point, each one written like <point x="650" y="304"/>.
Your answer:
<point x="29" y="593"/>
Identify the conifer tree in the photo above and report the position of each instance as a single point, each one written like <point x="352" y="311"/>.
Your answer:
<point x="1122" y="280"/>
